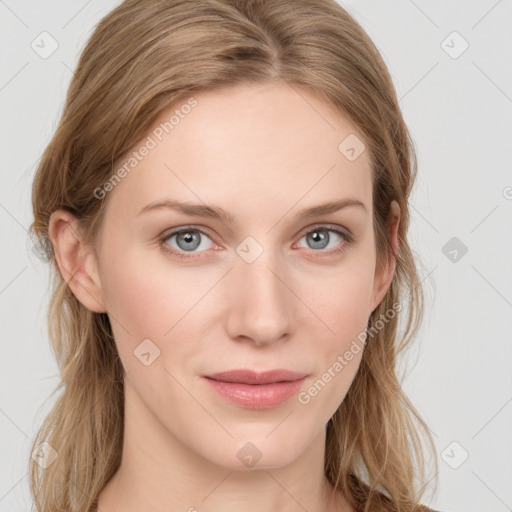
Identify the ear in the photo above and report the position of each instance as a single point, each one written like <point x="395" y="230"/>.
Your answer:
<point x="76" y="261"/>
<point x="386" y="267"/>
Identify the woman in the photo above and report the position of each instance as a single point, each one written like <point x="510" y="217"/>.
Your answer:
<point x="255" y="369"/>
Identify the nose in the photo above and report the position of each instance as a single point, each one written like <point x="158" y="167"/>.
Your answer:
<point x="261" y="304"/>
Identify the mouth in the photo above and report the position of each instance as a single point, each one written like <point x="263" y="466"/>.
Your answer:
<point x="244" y="376"/>
<point x="252" y="390"/>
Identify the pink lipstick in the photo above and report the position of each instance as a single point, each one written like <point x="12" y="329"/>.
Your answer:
<point x="256" y="390"/>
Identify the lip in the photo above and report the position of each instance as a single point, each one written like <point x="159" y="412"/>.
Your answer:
<point x="256" y="390"/>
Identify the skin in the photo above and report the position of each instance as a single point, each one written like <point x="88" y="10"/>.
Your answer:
<point x="263" y="153"/>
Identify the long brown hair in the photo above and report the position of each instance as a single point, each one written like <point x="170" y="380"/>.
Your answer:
<point x="144" y="56"/>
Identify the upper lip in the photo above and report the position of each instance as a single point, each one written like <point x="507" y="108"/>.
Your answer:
<point x="254" y="377"/>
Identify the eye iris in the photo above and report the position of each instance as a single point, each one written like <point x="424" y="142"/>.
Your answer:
<point x="187" y="237"/>
<point x="319" y="236"/>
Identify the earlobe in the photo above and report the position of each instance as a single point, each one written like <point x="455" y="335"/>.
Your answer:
<point x="75" y="260"/>
<point x="385" y="270"/>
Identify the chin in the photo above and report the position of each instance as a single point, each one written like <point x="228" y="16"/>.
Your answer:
<point x="258" y="452"/>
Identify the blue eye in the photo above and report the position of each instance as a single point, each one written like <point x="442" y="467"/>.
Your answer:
<point x="320" y="237"/>
<point x="188" y="239"/>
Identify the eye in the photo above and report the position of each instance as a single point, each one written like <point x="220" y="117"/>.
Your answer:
<point x="321" y="236"/>
<point x="186" y="239"/>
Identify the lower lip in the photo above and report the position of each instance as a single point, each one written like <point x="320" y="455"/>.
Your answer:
<point x="257" y="396"/>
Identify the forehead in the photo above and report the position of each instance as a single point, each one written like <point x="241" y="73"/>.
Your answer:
<point x="247" y="147"/>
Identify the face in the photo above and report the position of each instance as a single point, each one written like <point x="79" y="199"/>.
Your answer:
<point x="268" y="288"/>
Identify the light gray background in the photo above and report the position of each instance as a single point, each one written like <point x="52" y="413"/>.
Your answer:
<point x="459" y="112"/>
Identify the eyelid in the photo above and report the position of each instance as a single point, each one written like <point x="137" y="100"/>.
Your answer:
<point x="173" y="231"/>
<point x="325" y="225"/>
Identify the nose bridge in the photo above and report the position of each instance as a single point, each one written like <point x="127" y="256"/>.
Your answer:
<point x="261" y="307"/>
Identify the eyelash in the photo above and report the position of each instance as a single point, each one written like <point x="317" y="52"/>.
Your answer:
<point x="338" y="251"/>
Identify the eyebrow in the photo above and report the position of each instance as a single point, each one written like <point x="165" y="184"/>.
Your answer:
<point x="215" y="212"/>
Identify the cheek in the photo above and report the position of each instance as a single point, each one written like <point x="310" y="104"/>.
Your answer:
<point x="343" y="306"/>
<point x="150" y="298"/>
<point x="142" y="299"/>
<point x="341" y="298"/>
